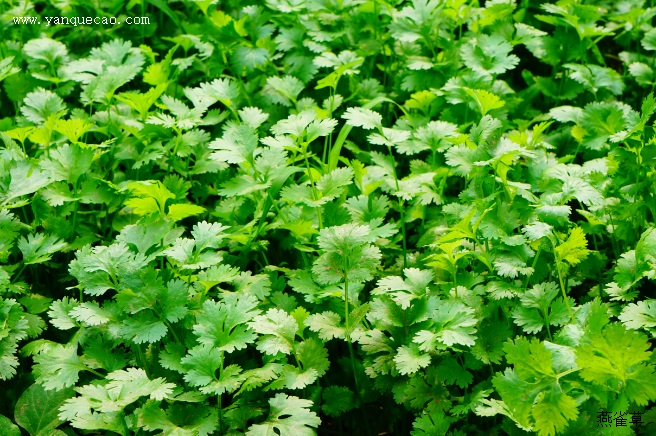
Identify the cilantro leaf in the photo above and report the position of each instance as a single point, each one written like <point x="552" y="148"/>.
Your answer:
<point x="409" y="359"/>
<point x="489" y="54"/>
<point x="277" y="329"/>
<point x="619" y="360"/>
<point x="360" y="117"/>
<point x="337" y="400"/>
<point x="540" y="308"/>
<point x="454" y="324"/>
<point x="39" y="248"/>
<point x="287" y="415"/>
<point x="532" y="389"/>
<point x="58" y="366"/>
<point x="223" y="324"/>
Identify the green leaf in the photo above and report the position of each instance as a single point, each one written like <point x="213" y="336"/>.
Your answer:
<point x="59" y="313"/>
<point x="73" y="129"/>
<point x="347" y="253"/>
<point x="223" y="90"/>
<point x="37" y="409"/>
<point x="277" y="329"/>
<point x="99" y="404"/>
<point x="489" y="54"/>
<point x="454" y="324"/>
<point x="532" y="390"/>
<point x="640" y="315"/>
<point x="649" y="40"/>
<point x="620" y="361"/>
<point x="58" y="366"/>
<point x="7" y="68"/>
<point x="288" y="415"/>
<point x="148" y="197"/>
<point x="283" y="90"/>
<point x="292" y="377"/>
<point x="247" y="59"/>
<point x="223" y="324"/>
<point x="201" y="365"/>
<point x="7" y="427"/>
<point x="179" y="212"/>
<point x="431" y="423"/>
<point x="333" y="158"/>
<point x="403" y="292"/>
<point x="13" y="328"/>
<point x="361" y="117"/>
<point x="337" y="400"/>
<point x="409" y="359"/>
<point x="142" y="102"/>
<point x="331" y="185"/>
<point x="25" y="179"/>
<point x="178" y="419"/>
<point x="485" y="100"/>
<point x="40" y="104"/>
<point x="39" y="248"/>
<point x="574" y="249"/>
<point x="327" y="324"/>
<point x="539" y="308"/>
<point x="313" y="354"/>
<point x="236" y="145"/>
<point x="143" y="327"/>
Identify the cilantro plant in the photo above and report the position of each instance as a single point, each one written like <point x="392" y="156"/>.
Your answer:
<point x="300" y="217"/>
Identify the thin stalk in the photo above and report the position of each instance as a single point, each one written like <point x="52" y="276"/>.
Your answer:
<point x="348" y="339"/>
<point x="562" y="288"/>
<point x="568" y="372"/>
<point x="348" y="327"/>
<point x="314" y="188"/>
<point x="75" y="208"/>
<point x="218" y="396"/>
<point x="547" y="323"/>
<point x="142" y="357"/>
<point x="94" y="372"/>
<point x="402" y="211"/>
<point x="535" y="262"/>
<point x="170" y="327"/>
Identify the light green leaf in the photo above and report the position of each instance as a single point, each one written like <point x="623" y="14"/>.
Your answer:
<point x="288" y="415"/>
<point x="409" y="359"/>
<point x="278" y="330"/>
<point x="223" y="324"/>
<point x="39" y="248"/>
<point x="365" y="118"/>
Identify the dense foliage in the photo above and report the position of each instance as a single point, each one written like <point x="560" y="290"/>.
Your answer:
<point x="355" y="217"/>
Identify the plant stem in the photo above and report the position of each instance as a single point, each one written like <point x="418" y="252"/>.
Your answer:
<point x="562" y="288"/>
<point x="218" y="396"/>
<point x="347" y="333"/>
<point x="315" y="193"/>
<point x="402" y="211"/>
<point x="75" y="208"/>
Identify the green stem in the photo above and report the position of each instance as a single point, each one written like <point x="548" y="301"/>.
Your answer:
<point x="562" y="288"/>
<point x="547" y="323"/>
<point x="142" y="357"/>
<point x="75" y="208"/>
<point x="170" y="327"/>
<point x="535" y="262"/>
<point x="218" y="396"/>
<point x="568" y="372"/>
<point x="94" y="372"/>
<point x="347" y="333"/>
<point x="402" y="211"/>
<point x="315" y="193"/>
